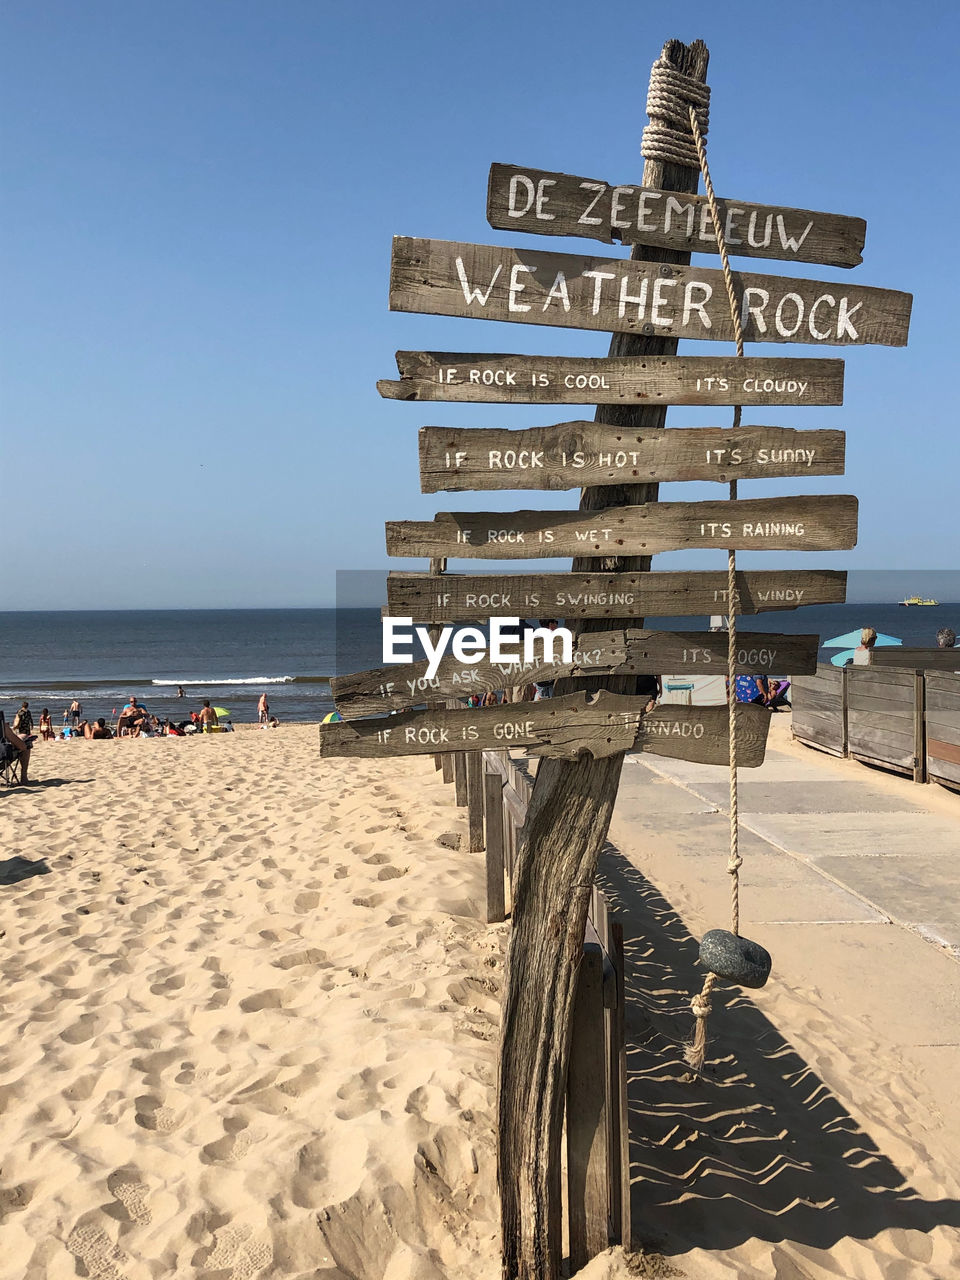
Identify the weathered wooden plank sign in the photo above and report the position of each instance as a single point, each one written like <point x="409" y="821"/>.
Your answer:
<point x="621" y="652"/>
<point x="633" y="380"/>
<point x="470" y="598"/>
<point x="807" y="523"/>
<point x="528" y="286"/>
<point x="601" y="724"/>
<point x="569" y="455"/>
<point x="558" y="204"/>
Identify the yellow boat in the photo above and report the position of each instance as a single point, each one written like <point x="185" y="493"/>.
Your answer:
<point x="917" y="600"/>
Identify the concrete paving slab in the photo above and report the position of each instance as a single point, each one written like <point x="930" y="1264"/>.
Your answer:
<point x="843" y="835"/>
<point x="776" y="767"/>
<point x="821" y="796"/>
<point x="645" y="796"/>
<point x="774" y="887"/>
<point x="912" y="890"/>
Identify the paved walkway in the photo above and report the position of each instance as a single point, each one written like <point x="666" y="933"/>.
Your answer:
<point x="851" y="879"/>
<point x="829" y="1113"/>
<point x="860" y="844"/>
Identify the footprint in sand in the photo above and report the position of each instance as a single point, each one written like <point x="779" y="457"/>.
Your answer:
<point x="131" y="1195"/>
<point x="101" y="1258"/>
<point x="167" y="986"/>
<point x="234" y="1255"/>
<point x="234" y="1144"/>
<point x="13" y="1199"/>
<point x="297" y="958"/>
<point x="391" y="873"/>
<point x="85" y="1028"/>
<point x="306" y="902"/>
<point x="376" y="860"/>
<point x="371" y="900"/>
<point x="272" y="999"/>
<point x="153" y="1114"/>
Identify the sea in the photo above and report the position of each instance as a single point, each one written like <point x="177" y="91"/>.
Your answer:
<point x="232" y="656"/>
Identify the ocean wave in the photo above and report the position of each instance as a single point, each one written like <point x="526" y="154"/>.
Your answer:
<point x="245" y="680"/>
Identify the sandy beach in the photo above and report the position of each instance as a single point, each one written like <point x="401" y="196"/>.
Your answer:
<point x="250" y="1016"/>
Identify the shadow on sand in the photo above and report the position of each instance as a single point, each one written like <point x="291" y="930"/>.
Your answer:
<point x="13" y="870"/>
<point x="757" y="1149"/>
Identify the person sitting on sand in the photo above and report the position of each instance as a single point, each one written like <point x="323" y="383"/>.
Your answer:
<point x="946" y="638"/>
<point x="21" y="745"/>
<point x="274" y="722"/>
<point x="132" y="719"/>
<point x="98" y="730"/>
<point x="861" y="654"/>
<point x="207" y="717"/>
<point x="46" y="726"/>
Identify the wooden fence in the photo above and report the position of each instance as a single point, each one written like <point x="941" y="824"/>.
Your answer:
<point x="942" y="718"/>
<point x="496" y="791"/>
<point x="904" y="718"/>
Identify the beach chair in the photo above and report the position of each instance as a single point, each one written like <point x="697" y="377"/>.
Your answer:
<point x="9" y="760"/>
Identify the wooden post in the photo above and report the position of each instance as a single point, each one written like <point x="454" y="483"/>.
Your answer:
<point x="620" y="1143"/>
<point x="564" y="833"/>
<point x="460" y="778"/>
<point x="438" y="567"/>
<point x="493" y="807"/>
<point x="475" y="800"/>
<point x="919" y="717"/>
<point x="587" y="1154"/>
<point x="844" y="709"/>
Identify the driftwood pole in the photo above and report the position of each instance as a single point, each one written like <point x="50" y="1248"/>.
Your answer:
<point x="565" y="830"/>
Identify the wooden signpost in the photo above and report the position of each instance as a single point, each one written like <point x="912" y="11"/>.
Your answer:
<point x="570" y="455"/>
<point x="489" y="282"/>
<point x="558" y="204"/>
<point x="807" y="523"/>
<point x="647" y="303"/>
<point x="469" y="598"/>
<point x="624" y="380"/>
<point x="599" y="725"/>
<point x="633" y="651"/>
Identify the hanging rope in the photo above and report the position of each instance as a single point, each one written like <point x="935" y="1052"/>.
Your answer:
<point x="701" y="1003"/>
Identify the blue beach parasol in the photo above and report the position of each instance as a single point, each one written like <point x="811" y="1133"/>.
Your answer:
<point x="850" y="640"/>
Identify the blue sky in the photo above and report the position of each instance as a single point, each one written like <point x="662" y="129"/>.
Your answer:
<point x="198" y="203"/>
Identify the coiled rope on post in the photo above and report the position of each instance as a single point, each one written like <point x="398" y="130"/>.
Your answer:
<point x="701" y="1003"/>
<point x="670" y="97"/>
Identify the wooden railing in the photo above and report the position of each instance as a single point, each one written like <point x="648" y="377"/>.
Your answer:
<point x="497" y="790"/>
<point x="900" y="716"/>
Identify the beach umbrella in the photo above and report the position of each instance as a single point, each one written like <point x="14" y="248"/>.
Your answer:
<point x="852" y="639"/>
<point x="843" y="657"/>
<point x="222" y="713"/>
<point x="329" y="719"/>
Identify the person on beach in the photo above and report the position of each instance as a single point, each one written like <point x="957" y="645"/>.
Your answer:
<point x="46" y="726"/>
<point x="946" y="638"/>
<point x="132" y="719"/>
<point x="274" y="722"/>
<point x="861" y="654"/>
<point x="98" y="730"/>
<point x="207" y="717"/>
<point x="20" y="745"/>
<point x="263" y="710"/>
<point x="23" y="720"/>
<point x="753" y="689"/>
<point x="76" y="711"/>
